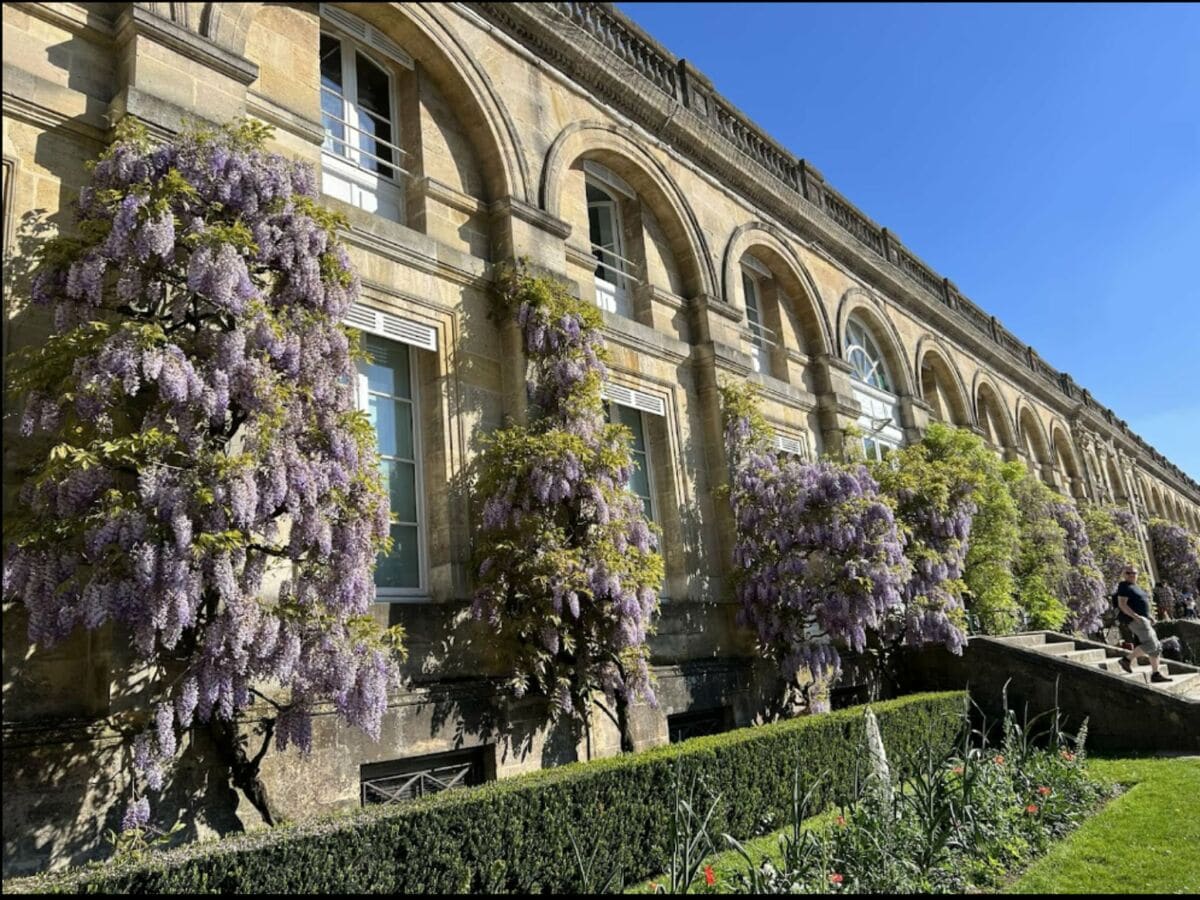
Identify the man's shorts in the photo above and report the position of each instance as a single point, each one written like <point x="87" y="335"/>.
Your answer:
<point x="1147" y="639"/>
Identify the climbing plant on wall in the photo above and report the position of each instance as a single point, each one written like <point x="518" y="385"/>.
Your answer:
<point x="195" y="469"/>
<point x="818" y="562"/>
<point x="933" y="484"/>
<point x="993" y="546"/>
<point x="1041" y="562"/>
<point x="1081" y="587"/>
<point x="1112" y="533"/>
<point x="568" y="568"/>
<point x="1176" y="556"/>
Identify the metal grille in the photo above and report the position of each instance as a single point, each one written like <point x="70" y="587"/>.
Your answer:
<point x="698" y="723"/>
<point x="410" y="779"/>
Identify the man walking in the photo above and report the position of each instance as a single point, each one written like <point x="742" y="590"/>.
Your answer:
<point x="1134" y="608"/>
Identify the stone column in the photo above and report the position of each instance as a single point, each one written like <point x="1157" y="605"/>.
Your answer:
<point x="836" y="407"/>
<point x="915" y="416"/>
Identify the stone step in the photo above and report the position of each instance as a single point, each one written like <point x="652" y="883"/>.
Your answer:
<point x="1090" y="654"/>
<point x="1023" y="640"/>
<point x="1180" y="684"/>
<point x="1057" y="648"/>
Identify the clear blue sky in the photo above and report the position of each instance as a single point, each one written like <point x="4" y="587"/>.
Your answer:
<point x="1044" y="158"/>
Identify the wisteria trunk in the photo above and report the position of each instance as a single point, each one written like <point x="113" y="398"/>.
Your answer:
<point x="245" y="771"/>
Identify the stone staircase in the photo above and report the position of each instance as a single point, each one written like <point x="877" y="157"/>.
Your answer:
<point x="1185" y="681"/>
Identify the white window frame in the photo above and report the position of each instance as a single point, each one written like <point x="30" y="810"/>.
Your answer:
<point x="613" y="296"/>
<point x="342" y="175"/>
<point x="641" y="414"/>
<point x="362" y="400"/>
<point x="761" y="337"/>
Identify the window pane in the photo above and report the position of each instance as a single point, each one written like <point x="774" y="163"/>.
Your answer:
<point x="401" y="568"/>
<point x="751" y="299"/>
<point x="393" y="425"/>
<point x="631" y="419"/>
<point x="400" y="482"/>
<point x="374" y="114"/>
<point x="332" y="104"/>
<point x="602" y="232"/>
<point x="639" y="481"/>
<point x="387" y="371"/>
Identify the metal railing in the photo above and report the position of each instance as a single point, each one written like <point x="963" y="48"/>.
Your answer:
<point x="410" y="786"/>
<point x="355" y="150"/>
<point x="599" y="253"/>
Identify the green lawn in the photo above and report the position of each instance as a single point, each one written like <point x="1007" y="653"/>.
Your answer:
<point x="1146" y="841"/>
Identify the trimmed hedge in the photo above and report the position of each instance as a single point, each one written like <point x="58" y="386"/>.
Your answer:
<point x="513" y="835"/>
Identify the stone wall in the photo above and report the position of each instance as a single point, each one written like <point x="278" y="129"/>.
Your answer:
<point x="502" y="112"/>
<point x="1122" y="716"/>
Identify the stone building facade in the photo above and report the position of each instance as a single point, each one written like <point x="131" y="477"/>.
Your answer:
<point x="454" y="136"/>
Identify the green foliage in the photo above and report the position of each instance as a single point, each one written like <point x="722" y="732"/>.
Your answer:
<point x="516" y="835"/>
<point x="995" y="540"/>
<point x="1114" y="545"/>
<point x="1041" y="562"/>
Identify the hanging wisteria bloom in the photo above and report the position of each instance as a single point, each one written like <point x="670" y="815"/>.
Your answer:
<point x="1082" y="585"/>
<point x="199" y="474"/>
<point x="818" y="563"/>
<point x="1176" y="557"/>
<point x="936" y="485"/>
<point x="568" y="567"/>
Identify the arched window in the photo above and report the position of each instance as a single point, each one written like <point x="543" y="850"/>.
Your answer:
<point x="880" y="417"/>
<point x="865" y="357"/>
<point x="361" y="160"/>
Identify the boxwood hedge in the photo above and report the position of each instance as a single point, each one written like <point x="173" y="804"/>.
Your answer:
<point x="515" y="834"/>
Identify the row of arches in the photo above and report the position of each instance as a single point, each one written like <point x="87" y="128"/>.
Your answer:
<point x="783" y="303"/>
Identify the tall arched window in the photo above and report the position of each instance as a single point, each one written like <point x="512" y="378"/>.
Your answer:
<point x="361" y="160"/>
<point x="880" y="416"/>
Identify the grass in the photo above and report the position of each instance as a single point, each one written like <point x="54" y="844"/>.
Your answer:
<point x="1146" y="841"/>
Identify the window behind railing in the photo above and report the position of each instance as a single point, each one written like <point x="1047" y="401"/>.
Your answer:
<point x="408" y="779"/>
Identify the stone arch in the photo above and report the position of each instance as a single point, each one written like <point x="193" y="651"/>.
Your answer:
<point x="870" y="310"/>
<point x="991" y="412"/>
<point x="777" y="254"/>
<point x="425" y="35"/>
<point x="1066" y="458"/>
<point x="1032" y="433"/>
<point x="618" y="148"/>
<point x="1115" y="482"/>
<point x="934" y="362"/>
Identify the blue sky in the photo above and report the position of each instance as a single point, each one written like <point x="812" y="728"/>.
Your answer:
<point x="1045" y="158"/>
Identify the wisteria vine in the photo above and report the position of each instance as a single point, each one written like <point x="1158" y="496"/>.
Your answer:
<point x="1176" y="557"/>
<point x="1081" y="586"/>
<point x="197" y="470"/>
<point x="818" y="562"/>
<point x="568" y="567"/>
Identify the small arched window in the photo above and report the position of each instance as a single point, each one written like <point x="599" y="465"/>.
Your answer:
<point x="864" y="356"/>
<point x="361" y="159"/>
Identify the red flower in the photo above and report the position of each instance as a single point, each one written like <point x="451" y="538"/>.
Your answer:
<point x="1044" y="791"/>
<point x="1031" y="809"/>
<point x="841" y="821"/>
<point x="835" y="878"/>
<point x="999" y="760"/>
<point x="709" y="877"/>
<point x="958" y="770"/>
